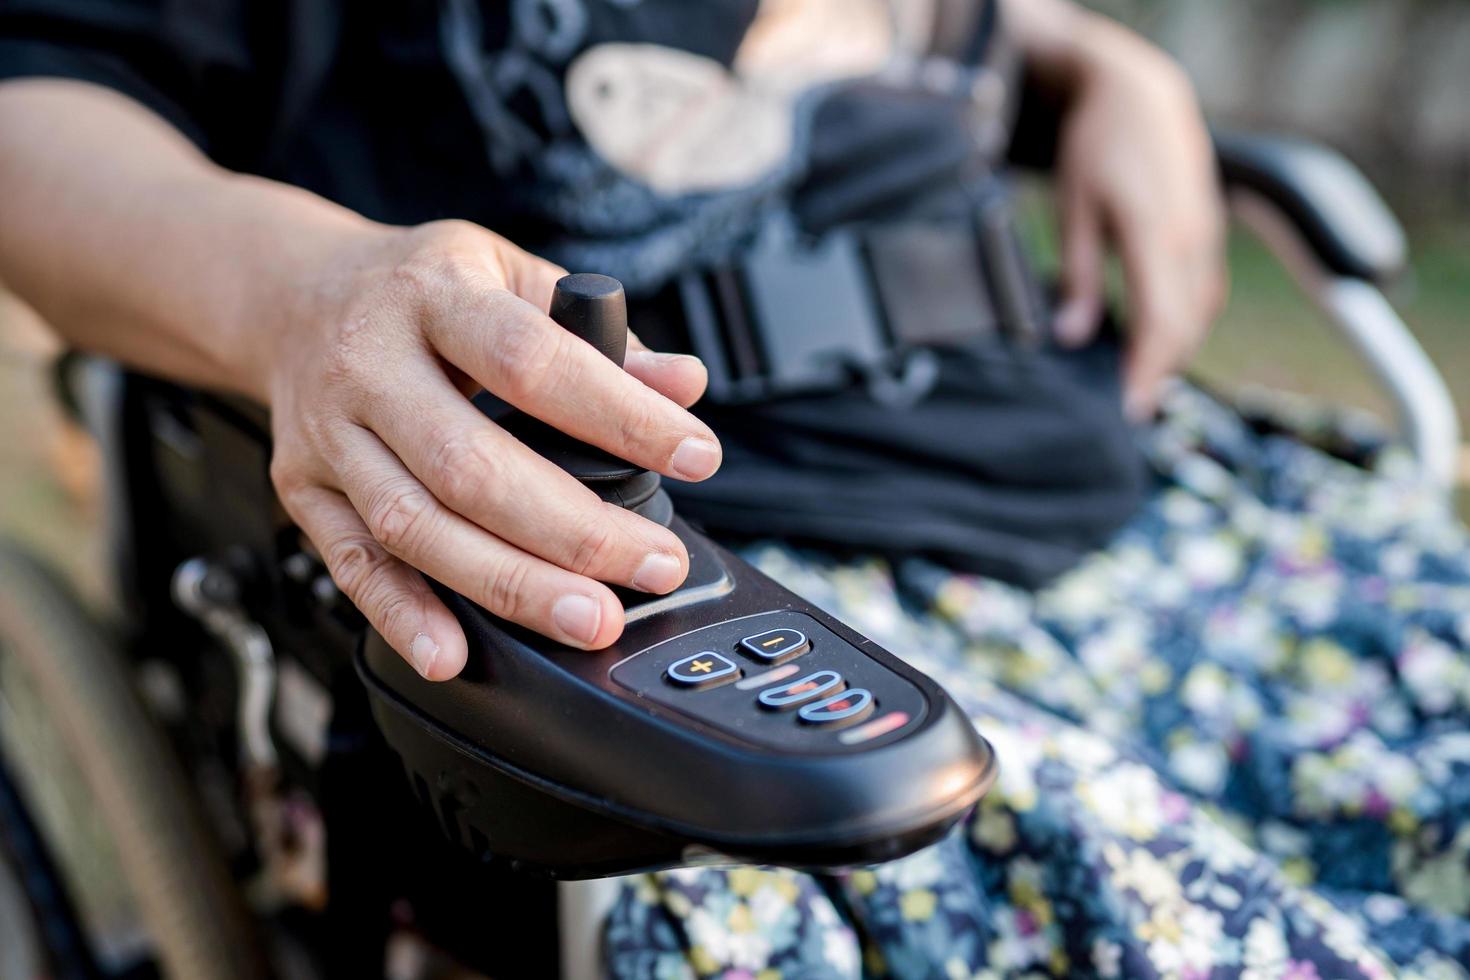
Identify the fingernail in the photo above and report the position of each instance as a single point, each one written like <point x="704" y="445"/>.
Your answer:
<point x="696" y="458"/>
<point x="659" y="573"/>
<point x="662" y="359"/>
<point x="578" y="616"/>
<point x="424" y="652"/>
<point x="1073" y="322"/>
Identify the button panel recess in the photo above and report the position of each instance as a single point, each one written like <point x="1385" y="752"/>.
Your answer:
<point x="779" y="680"/>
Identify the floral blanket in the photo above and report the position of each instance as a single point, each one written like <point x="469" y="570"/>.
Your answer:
<point x="1233" y="744"/>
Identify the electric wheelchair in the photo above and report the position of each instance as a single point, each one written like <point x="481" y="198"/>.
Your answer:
<point x="241" y="781"/>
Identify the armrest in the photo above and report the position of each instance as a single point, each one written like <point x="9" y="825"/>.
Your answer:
<point x="1339" y="215"/>
<point x="1333" y="232"/>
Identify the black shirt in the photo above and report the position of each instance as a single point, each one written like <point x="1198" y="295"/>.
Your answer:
<point x="407" y="112"/>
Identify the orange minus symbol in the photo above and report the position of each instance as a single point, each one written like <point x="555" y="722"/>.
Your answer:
<point x="773" y="642"/>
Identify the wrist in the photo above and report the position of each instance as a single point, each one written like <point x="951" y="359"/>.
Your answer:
<point x="308" y="255"/>
<point x="1068" y="48"/>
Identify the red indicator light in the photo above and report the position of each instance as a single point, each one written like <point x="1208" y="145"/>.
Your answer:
<point x="879" y="726"/>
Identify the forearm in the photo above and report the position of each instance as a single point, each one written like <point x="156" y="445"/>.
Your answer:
<point x="1061" y="41"/>
<point x="132" y="244"/>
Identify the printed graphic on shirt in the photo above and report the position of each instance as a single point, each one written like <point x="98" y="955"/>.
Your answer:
<point x="659" y="133"/>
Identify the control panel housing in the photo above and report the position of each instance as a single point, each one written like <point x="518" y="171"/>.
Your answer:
<point x="580" y="764"/>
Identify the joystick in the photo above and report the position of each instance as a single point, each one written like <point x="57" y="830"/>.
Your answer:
<point x="731" y="720"/>
<point x="593" y="308"/>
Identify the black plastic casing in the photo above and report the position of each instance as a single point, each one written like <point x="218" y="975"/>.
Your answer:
<point x="535" y="756"/>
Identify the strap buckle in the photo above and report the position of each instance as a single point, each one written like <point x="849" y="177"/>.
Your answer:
<point x="793" y="318"/>
<point x="801" y="316"/>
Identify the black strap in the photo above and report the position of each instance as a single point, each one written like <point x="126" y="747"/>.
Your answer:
<point x="859" y="305"/>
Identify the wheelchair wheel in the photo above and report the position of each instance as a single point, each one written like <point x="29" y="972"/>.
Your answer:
<point x="22" y="950"/>
<point x="109" y="807"/>
<point x="39" y="932"/>
<point x="21" y="953"/>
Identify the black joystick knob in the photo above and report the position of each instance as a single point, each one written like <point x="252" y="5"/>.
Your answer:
<point x="593" y="307"/>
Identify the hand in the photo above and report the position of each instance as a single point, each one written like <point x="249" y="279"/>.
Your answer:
<point x="383" y="462"/>
<point x="1135" y="169"/>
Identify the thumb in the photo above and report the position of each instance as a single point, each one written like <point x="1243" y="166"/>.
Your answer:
<point x="1082" y="274"/>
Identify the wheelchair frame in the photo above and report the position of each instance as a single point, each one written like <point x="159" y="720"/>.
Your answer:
<point x="1316" y="213"/>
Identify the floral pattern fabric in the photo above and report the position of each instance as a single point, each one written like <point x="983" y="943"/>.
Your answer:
<point x="1233" y="744"/>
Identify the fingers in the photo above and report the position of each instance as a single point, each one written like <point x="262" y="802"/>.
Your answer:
<point x="412" y="525"/>
<point x="393" y="597"/>
<point x="482" y="473"/>
<point x="681" y="378"/>
<point x="532" y="278"/>
<point x="1083" y="253"/>
<point x="541" y="369"/>
<point x="1169" y="317"/>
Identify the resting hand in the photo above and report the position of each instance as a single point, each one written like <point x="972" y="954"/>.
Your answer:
<point x="381" y="459"/>
<point x="1135" y="170"/>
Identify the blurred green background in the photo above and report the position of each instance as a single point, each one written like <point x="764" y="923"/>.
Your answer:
<point x="1385" y="81"/>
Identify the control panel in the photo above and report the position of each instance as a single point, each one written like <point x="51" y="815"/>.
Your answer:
<point x="779" y="680"/>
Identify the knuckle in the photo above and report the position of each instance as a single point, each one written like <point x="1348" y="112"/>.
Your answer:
<point x="355" y="565"/>
<point x="443" y="259"/>
<point x="350" y="363"/>
<point x="595" y="548"/>
<point x="364" y="573"/>
<point x="453" y="234"/>
<point x="400" y="517"/>
<point x="395" y="611"/>
<point x="464" y="468"/>
<point x="423" y="278"/>
<point x="504" y="588"/>
<point x="639" y="425"/>
<point x="1167" y="78"/>
<point x="287" y="475"/>
<point x="525" y="359"/>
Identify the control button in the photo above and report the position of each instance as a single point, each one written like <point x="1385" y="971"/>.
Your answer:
<point x="766" y="677"/>
<point x="809" y="688"/>
<point x="849" y="706"/>
<point x="703" y="670"/>
<point x="890" y="722"/>
<point x="774" y="646"/>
